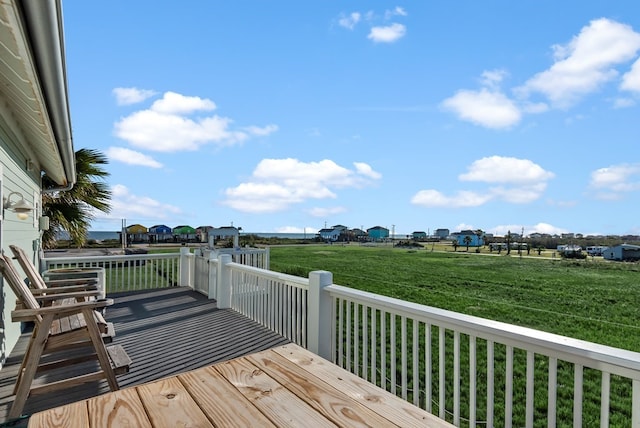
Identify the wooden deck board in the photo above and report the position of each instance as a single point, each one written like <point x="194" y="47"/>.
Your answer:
<point x="165" y="332"/>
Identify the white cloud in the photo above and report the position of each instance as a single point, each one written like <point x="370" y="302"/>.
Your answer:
<point x="521" y="181"/>
<point x="262" y="132"/>
<point x="366" y="170"/>
<point x="349" y="21"/>
<point x="387" y="34"/>
<point x="276" y="184"/>
<point x="173" y="103"/>
<point x="487" y="108"/>
<point x="167" y="126"/>
<point x="493" y="78"/>
<point x="585" y="63"/>
<point x="326" y="212"/>
<point x="631" y="79"/>
<point x="502" y="230"/>
<point x="132" y="157"/>
<point x="499" y="169"/>
<point x="126" y="96"/>
<point x="612" y="182"/>
<point x="623" y="102"/>
<point x="462" y="199"/>
<point x="397" y="11"/>
<point x="125" y="204"/>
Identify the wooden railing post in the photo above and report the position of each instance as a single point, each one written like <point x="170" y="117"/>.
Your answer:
<point x="185" y="267"/>
<point x="319" y="322"/>
<point x="224" y="282"/>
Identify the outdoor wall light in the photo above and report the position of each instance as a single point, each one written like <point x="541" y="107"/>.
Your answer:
<point x="21" y="207"/>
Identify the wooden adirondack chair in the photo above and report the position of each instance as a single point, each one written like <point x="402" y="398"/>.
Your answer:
<point x="57" y="329"/>
<point x="37" y="282"/>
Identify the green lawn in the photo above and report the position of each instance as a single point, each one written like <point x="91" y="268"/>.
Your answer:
<point x="591" y="300"/>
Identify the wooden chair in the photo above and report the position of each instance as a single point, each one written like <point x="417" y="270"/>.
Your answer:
<point x="37" y="282"/>
<point x="57" y="329"/>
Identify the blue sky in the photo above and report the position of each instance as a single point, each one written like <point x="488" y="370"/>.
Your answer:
<point x="287" y="116"/>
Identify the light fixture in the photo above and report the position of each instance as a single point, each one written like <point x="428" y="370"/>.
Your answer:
<point x="21" y="207"/>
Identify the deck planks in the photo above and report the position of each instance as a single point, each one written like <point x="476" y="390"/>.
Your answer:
<point x="165" y="332"/>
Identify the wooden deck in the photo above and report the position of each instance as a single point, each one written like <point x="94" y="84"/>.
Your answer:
<point x="165" y="332"/>
<point x="286" y="386"/>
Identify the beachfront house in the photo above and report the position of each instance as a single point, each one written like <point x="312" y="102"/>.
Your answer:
<point x="470" y="238"/>
<point x="622" y="252"/>
<point x="419" y="236"/>
<point x="202" y="233"/>
<point x="35" y="129"/>
<point x="160" y="233"/>
<point x="184" y="233"/>
<point x="137" y="234"/>
<point x="378" y="233"/>
<point x="329" y="234"/>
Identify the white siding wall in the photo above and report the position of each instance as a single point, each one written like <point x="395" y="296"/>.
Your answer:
<point x="15" y="178"/>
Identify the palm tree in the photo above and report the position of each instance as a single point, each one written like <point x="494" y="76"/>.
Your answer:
<point x="467" y="241"/>
<point x="72" y="210"/>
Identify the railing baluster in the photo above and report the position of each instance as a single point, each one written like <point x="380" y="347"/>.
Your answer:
<point x="341" y="327"/>
<point x="441" y="379"/>
<point x="403" y="356"/>
<point x="508" y="388"/>
<point x="393" y="347"/>
<point x="374" y="349"/>
<point x="530" y="389"/>
<point x="553" y="392"/>
<point x="416" y="359"/>
<point x="472" y="380"/>
<point x="429" y="367"/>
<point x="635" y="404"/>
<point x="577" y="395"/>
<point x="356" y="339"/>
<point x="491" y="376"/>
<point x="456" y="378"/>
<point x="383" y="349"/>
<point x="604" y="399"/>
<point x="365" y="340"/>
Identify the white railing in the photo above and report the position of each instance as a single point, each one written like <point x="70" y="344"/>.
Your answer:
<point x="275" y="300"/>
<point x="476" y="372"/>
<point x="126" y="272"/>
<point x="256" y="257"/>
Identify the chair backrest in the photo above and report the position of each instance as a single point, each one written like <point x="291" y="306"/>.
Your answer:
<point x="35" y="279"/>
<point x="18" y="286"/>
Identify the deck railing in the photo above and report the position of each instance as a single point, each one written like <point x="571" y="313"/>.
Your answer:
<point x="126" y="272"/>
<point x="468" y="370"/>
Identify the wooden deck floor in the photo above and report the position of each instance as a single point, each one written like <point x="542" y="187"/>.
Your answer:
<point x="165" y="332"/>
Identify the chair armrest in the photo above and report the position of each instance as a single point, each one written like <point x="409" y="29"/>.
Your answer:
<point x="75" y="281"/>
<point x="70" y="295"/>
<point x="61" y="310"/>
<point x="65" y="289"/>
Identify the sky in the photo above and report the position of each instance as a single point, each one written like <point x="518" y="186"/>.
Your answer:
<point x="287" y="117"/>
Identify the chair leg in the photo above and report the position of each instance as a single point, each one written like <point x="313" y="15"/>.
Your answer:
<point x="36" y="347"/>
<point x="101" y="351"/>
<point x="24" y="361"/>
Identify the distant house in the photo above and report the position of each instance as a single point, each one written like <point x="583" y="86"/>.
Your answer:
<point x="160" y="233"/>
<point x="419" y="235"/>
<point x="184" y="233"/>
<point x="329" y="235"/>
<point x="359" y="233"/>
<point x="137" y="233"/>
<point x="378" y="233"/>
<point x="473" y="239"/>
<point x="441" y="233"/>
<point x="622" y="252"/>
<point x="224" y="233"/>
<point x="202" y="233"/>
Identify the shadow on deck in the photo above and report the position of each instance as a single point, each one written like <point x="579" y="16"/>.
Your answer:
<point x="165" y="332"/>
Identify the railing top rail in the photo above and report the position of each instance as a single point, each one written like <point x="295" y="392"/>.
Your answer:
<point x="269" y="274"/>
<point x="88" y="259"/>
<point x="588" y="353"/>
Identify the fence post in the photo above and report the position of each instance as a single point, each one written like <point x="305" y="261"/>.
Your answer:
<point x="319" y="323"/>
<point x="185" y="267"/>
<point x="224" y="282"/>
<point x="213" y="275"/>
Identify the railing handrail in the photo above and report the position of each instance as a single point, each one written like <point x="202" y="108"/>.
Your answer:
<point x="106" y="257"/>
<point x="618" y="361"/>
<point x="269" y="274"/>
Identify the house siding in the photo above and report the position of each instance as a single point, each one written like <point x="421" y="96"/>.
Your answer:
<point x="24" y="233"/>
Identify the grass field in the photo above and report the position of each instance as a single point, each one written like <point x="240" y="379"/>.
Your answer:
<point x="588" y="299"/>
